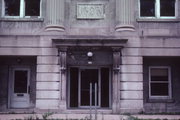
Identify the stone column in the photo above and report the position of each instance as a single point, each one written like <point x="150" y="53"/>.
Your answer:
<point x="63" y="70"/>
<point x="116" y="81"/>
<point x="55" y="15"/>
<point x="125" y="15"/>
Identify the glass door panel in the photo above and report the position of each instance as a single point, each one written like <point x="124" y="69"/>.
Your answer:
<point x="79" y="87"/>
<point x="88" y="76"/>
<point x="20" y="81"/>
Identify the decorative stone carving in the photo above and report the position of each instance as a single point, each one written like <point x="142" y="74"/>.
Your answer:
<point x="116" y="79"/>
<point x="62" y="56"/>
<point x="62" y="62"/>
<point x="90" y="11"/>
<point x="116" y="61"/>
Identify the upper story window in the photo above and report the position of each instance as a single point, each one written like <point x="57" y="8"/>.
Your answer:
<point x="160" y="82"/>
<point x="158" y="8"/>
<point x="21" y="8"/>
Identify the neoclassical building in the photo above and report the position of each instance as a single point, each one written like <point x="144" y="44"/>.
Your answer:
<point x="120" y="56"/>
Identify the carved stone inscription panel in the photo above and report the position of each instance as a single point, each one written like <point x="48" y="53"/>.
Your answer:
<point x="90" y="11"/>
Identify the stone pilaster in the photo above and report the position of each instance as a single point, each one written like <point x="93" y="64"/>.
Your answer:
<point x="63" y="70"/>
<point x="55" y="15"/>
<point x="116" y="81"/>
<point x="124" y="15"/>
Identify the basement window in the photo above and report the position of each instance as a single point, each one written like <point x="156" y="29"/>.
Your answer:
<point x="159" y="82"/>
<point x="158" y="8"/>
<point x="21" y="8"/>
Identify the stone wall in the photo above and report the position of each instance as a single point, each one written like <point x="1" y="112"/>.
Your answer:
<point x="33" y="37"/>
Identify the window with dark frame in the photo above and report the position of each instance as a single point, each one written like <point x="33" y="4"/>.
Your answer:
<point x="167" y="7"/>
<point x="22" y="8"/>
<point x="157" y="8"/>
<point x="12" y="7"/>
<point x="147" y="8"/>
<point x="159" y="82"/>
<point x="32" y="8"/>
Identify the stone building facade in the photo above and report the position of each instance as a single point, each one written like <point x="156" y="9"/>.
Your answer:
<point x="51" y="50"/>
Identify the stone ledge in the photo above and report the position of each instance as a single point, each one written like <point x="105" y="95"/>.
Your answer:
<point x="157" y="20"/>
<point x="96" y="41"/>
<point x="36" y="19"/>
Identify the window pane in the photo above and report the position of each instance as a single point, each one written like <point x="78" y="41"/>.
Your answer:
<point x="74" y="87"/>
<point x="88" y="76"/>
<point x="32" y="8"/>
<point x="167" y="7"/>
<point x="12" y="7"/>
<point x="159" y="71"/>
<point x="159" y="74"/>
<point x="20" y="81"/>
<point x="159" y="78"/>
<point x="105" y="87"/>
<point x="159" y="89"/>
<point x="147" y="8"/>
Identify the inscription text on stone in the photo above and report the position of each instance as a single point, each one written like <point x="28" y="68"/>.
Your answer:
<point x="90" y="11"/>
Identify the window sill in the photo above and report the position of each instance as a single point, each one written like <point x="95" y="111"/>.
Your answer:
<point x="160" y="100"/>
<point x="157" y="20"/>
<point x="22" y="19"/>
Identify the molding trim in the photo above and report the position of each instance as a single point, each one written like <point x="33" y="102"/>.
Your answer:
<point x="94" y="41"/>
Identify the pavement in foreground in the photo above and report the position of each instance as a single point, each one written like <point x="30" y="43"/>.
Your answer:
<point x="86" y="117"/>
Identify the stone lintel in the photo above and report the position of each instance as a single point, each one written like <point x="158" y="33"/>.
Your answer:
<point x="89" y="41"/>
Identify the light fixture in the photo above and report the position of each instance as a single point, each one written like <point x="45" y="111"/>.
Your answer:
<point x="90" y="55"/>
<point x="89" y="62"/>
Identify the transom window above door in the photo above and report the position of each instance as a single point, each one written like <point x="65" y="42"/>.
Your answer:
<point x="158" y="8"/>
<point x="21" y="8"/>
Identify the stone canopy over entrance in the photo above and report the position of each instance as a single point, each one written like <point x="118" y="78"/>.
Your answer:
<point x="91" y="41"/>
<point x="97" y="57"/>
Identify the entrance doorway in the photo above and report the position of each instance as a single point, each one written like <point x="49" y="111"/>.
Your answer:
<point x="79" y="87"/>
<point x="88" y="76"/>
<point x="19" y="87"/>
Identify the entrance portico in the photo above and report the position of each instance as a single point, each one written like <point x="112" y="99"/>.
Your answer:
<point x="78" y="70"/>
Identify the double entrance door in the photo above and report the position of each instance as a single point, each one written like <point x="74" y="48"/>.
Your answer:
<point x="81" y="95"/>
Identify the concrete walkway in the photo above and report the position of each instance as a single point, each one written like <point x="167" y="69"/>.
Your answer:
<point x="85" y="117"/>
<point x="161" y="117"/>
<point x="61" y="117"/>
